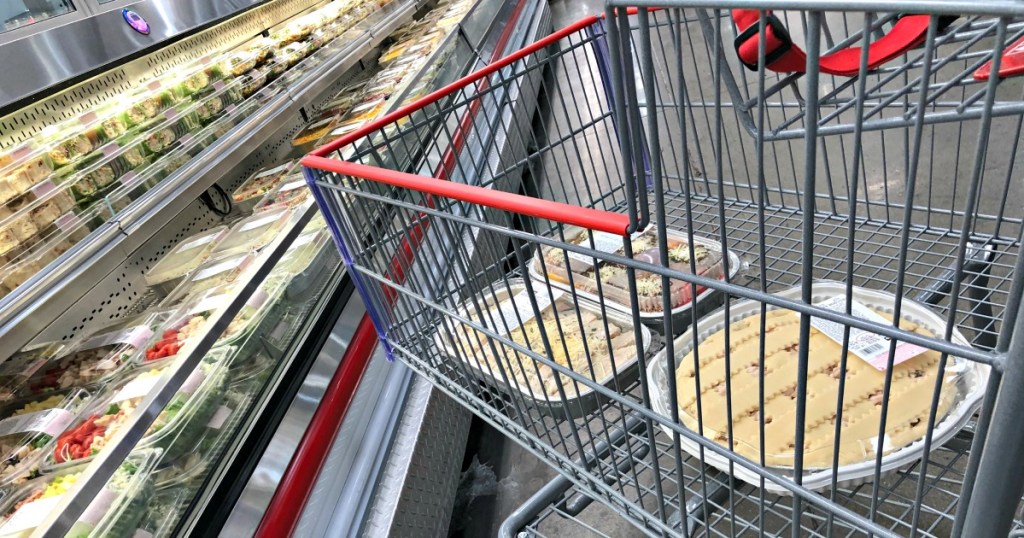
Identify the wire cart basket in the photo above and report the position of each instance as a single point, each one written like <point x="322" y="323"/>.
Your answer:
<point x="732" y="272"/>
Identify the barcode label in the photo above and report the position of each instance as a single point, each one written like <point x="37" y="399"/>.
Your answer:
<point x="872" y="348"/>
<point x="517" y="311"/>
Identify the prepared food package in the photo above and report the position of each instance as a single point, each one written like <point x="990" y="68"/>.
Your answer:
<point x="914" y="378"/>
<point x="185" y="257"/>
<point x="219" y="270"/>
<point x="21" y="169"/>
<point x="174" y="430"/>
<point x="19" y="367"/>
<point x="291" y="194"/>
<point x="262" y="182"/>
<point x="577" y="343"/>
<point x="587" y="272"/>
<point x="46" y="246"/>
<point x="28" y="427"/>
<point x="253" y="233"/>
<point x="114" y="512"/>
<point x="253" y="81"/>
<point x="95" y="360"/>
<point x="314" y="132"/>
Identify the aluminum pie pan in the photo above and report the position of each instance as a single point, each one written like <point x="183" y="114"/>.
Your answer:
<point x="576" y="405"/>
<point x="971" y="386"/>
<point x="682" y="316"/>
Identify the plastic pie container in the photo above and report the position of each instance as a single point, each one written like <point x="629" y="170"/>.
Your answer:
<point x="963" y="385"/>
<point x="28" y="428"/>
<point x="560" y="267"/>
<point x="184" y="258"/>
<point x="176" y="427"/>
<point x="580" y="344"/>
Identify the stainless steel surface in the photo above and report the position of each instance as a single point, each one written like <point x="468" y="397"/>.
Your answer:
<point x="78" y="44"/>
<point x="248" y="511"/>
<point x="43" y="298"/>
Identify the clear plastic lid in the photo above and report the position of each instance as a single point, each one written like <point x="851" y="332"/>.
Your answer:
<point x="28" y="427"/>
<point x="186" y="256"/>
<point x="112" y="410"/>
<point x="314" y="132"/>
<point x="22" y="365"/>
<point x="262" y="182"/>
<point x="290" y="194"/>
<point x="253" y="233"/>
<point x="301" y="253"/>
<point x="613" y="277"/>
<point x="95" y="360"/>
<point x="23" y="168"/>
<point x="219" y="270"/>
<point x="120" y="503"/>
<point x="579" y="335"/>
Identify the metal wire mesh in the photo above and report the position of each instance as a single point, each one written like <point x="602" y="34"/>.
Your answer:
<point x="637" y="159"/>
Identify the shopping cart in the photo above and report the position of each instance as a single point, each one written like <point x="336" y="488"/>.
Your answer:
<point x="548" y="239"/>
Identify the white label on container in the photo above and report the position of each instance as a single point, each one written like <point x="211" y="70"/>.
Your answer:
<point x="273" y="171"/>
<point x="135" y="337"/>
<point x="155" y="85"/>
<point x="230" y="109"/>
<point x="67" y="222"/>
<point x="127" y="178"/>
<point x="109" y="149"/>
<point x="221" y="267"/>
<point x="258" y="223"/>
<point x="43" y="188"/>
<point x="98" y="508"/>
<point x="292" y="186"/>
<point x="219" y="417"/>
<point x="139" y="533"/>
<point x="304" y="239"/>
<point x="603" y="242"/>
<point x="517" y="311"/>
<point x="218" y="85"/>
<point x="185" y="140"/>
<point x="872" y="348"/>
<point x="87" y="118"/>
<point x="170" y="113"/>
<point x="257" y="299"/>
<point x="195" y="243"/>
<point x="208" y="304"/>
<point x="30" y="515"/>
<point x="49" y="421"/>
<point x="136" y="388"/>
<point x="193" y="381"/>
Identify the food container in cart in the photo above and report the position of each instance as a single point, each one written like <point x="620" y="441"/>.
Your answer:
<point x="508" y="312"/>
<point x="184" y="258"/>
<point x="253" y="233"/>
<point x="114" y="512"/>
<point x="304" y="266"/>
<point x="175" y="429"/>
<point x="29" y="427"/>
<point x="614" y="280"/>
<point x="260" y="183"/>
<point x="93" y="361"/>
<point x="963" y="387"/>
<point x="219" y="270"/>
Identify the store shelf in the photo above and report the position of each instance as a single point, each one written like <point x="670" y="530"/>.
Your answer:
<point x="29" y="310"/>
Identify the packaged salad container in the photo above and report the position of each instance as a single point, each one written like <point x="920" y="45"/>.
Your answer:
<point x="253" y="233"/>
<point x="290" y="194"/>
<point x="184" y="258"/>
<point x="19" y="367"/>
<point x="580" y="344"/>
<point x="305" y="265"/>
<point x="175" y="429"/>
<point x="260" y="183"/>
<point x="912" y="387"/>
<point x="114" y="513"/>
<point x="28" y="428"/>
<point x="614" y="280"/>
<point x="253" y="81"/>
<point x="95" y="360"/>
<point x="218" y="271"/>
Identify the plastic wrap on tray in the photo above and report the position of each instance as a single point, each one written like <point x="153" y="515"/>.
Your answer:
<point x="262" y="182"/>
<point x="290" y="194"/>
<point x="580" y="344"/>
<point x="174" y="430"/>
<point x="253" y="233"/>
<point x="185" y="257"/>
<point x="913" y="385"/>
<point x="114" y="512"/>
<point x="28" y="427"/>
<point x="613" y="276"/>
<point x="219" y="270"/>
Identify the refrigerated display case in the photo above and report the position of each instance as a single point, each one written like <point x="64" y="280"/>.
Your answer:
<point x="198" y="313"/>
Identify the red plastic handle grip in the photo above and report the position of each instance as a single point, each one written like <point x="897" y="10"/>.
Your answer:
<point x="593" y="219"/>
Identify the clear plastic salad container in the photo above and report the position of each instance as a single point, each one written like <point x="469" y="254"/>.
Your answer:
<point x="175" y="429"/>
<point x="260" y="183"/>
<point x="163" y="512"/>
<point x="303" y="266"/>
<point x="558" y="263"/>
<point x="219" y="270"/>
<point x="95" y="360"/>
<point x="28" y="428"/>
<point x="184" y="258"/>
<point x="18" y="368"/>
<point x="253" y="233"/>
<point x="290" y="194"/>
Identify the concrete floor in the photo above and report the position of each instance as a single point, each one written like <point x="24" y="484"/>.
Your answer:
<point x="504" y="474"/>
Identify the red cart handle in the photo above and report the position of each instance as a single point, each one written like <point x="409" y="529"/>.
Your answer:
<point x="593" y="219"/>
<point x="782" y="56"/>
